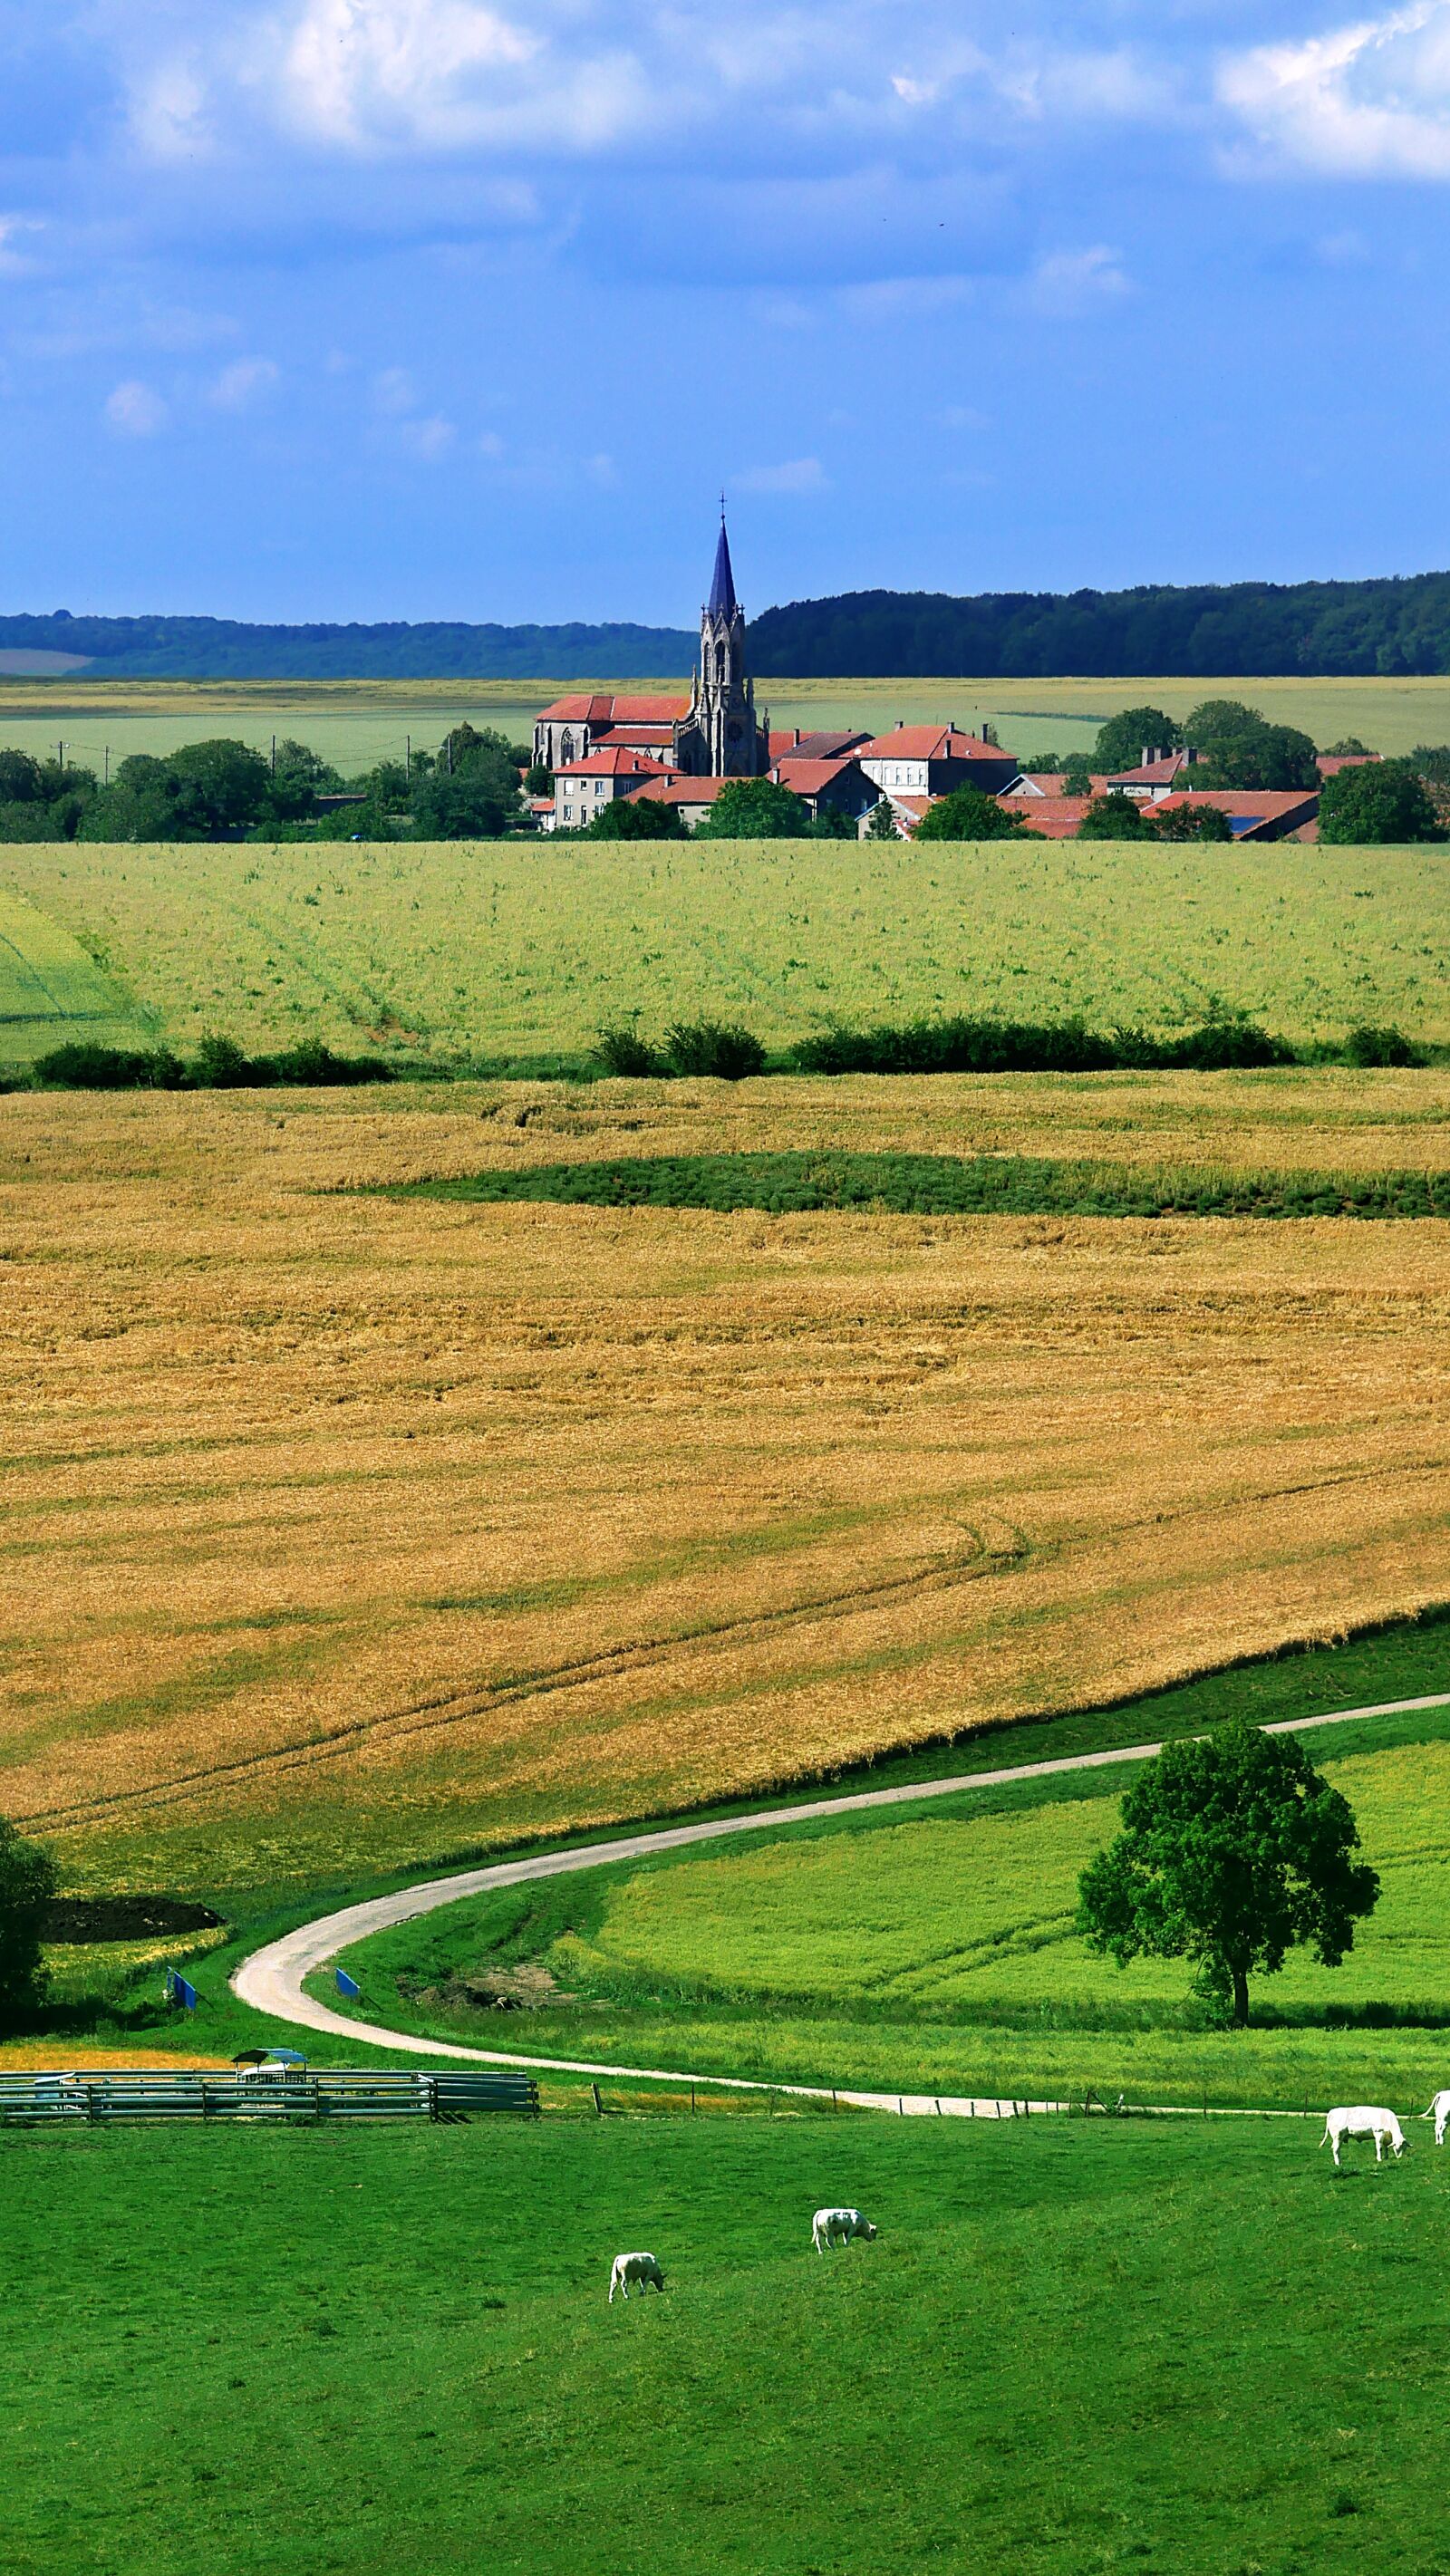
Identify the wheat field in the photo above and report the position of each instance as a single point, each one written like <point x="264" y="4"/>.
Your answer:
<point x="518" y="950"/>
<point x="342" y="1533"/>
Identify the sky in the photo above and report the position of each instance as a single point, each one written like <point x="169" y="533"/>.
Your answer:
<point x="471" y="308"/>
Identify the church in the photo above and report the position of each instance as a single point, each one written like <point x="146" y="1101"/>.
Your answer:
<point x="714" y="733"/>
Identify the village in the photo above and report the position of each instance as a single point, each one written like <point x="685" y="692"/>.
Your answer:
<point x="684" y="753"/>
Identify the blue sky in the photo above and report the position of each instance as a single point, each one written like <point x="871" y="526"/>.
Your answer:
<point x="467" y="308"/>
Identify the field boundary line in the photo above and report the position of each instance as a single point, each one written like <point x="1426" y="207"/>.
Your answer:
<point x="271" y="1981"/>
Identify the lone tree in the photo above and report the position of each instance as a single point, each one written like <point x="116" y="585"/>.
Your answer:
<point x="27" y="1884"/>
<point x="1234" y="1851"/>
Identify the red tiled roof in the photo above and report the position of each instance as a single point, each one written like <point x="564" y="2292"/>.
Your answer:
<point x="1285" y="806"/>
<point x="1055" y="818"/>
<point x="683" y="791"/>
<point x="1047" y="782"/>
<point x="932" y="742"/>
<point x="615" y="762"/>
<point x="639" y="736"/>
<point x="1329" y="762"/>
<point x="808" y="777"/>
<point x="1150" y="773"/>
<point x="609" y="710"/>
<point x="816" y="746"/>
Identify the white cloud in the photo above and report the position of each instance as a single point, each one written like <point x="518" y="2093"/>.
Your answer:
<point x="904" y="299"/>
<point x="799" y="474"/>
<point x="359" y="72"/>
<point x="963" y="416"/>
<point x="1068" y="283"/>
<point x="136" y="410"/>
<point x="394" y="391"/>
<point x="242" y="383"/>
<point x="169" y="110"/>
<point x="15" y="262"/>
<point x="1366" y="101"/>
<point x="429" y="440"/>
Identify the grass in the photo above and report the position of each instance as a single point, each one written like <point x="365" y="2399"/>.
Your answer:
<point x="941" y="1185"/>
<point x="1074" y="2346"/>
<point x="342" y="1536"/>
<point x="518" y="953"/>
<point x="354" y="721"/>
<point x="936" y="1951"/>
<point x="51" y="987"/>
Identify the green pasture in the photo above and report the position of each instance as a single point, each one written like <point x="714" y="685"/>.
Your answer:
<point x="516" y="951"/>
<point x="1074" y="2346"/>
<point x="934" y="1949"/>
<point x="940" y="1184"/>
<point x="354" y="723"/>
<point x="51" y="988"/>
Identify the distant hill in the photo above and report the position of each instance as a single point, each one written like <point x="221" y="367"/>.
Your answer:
<point x="222" y="648"/>
<point x="1319" y="628"/>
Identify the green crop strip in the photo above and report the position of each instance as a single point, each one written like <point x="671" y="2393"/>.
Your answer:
<point x="940" y="1185"/>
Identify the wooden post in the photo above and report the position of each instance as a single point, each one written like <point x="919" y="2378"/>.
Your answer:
<point x="598" y="2105"/>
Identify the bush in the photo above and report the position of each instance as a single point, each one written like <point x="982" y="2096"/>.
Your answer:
<point x="621" y="1050"/>
<point x="82" y="1066"/>
<point x="634" y="818"/>
<point x="1115" y="818"/>
<point x="754" y="809"/>
<point x="1370" y="1046"/>
<point x="1025" y="1046"/>
<point x="709" y="1047"/>
<point x="311" y="1062"/>
<point x="27" y="1884"/>
<point x="1192" y="822"/>
<point x="970" y="814"/>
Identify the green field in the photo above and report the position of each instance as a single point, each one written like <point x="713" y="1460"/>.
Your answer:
<point x="514" y="951"/>
<point x="51" y="988"/>
<point x="1074" y="2346"/>
<point x="935" y="1950"/>
<point x="355" y="722"/>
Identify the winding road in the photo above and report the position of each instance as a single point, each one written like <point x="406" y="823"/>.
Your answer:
<point x="271" y="1980"/>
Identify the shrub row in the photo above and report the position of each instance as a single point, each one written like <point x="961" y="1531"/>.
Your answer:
<point x="943" y="1185"/>
<point x="218" y="1065"/>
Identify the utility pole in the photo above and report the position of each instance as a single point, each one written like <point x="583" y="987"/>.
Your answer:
<point x="407" y="755"/>
<point x="106" y="764"/>
<point x="274" y="755"/>
<point x="60" y="754"/>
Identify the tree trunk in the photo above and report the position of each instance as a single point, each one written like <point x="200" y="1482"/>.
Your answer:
<point x="1241" y="1998"/>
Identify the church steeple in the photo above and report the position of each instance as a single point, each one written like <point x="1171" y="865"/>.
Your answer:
<point x="720" y="737"/>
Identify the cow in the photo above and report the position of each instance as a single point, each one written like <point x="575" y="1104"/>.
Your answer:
<point x="1363" y="2121"/>
<point x="642" y="2269"/>
<point x="1439" y="2112"/>
<point x="837" y="2227"/>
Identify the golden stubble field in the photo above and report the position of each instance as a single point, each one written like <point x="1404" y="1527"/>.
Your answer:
<point x="341" y="1534"/>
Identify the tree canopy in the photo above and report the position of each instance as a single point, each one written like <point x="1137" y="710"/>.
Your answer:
<point x="27" y="1884"/>
<point x="969" y="814"/>
<point x="1238" y="747"/>
<point x="1192" y="821"/>
<point x="634" y="818"/>
<point x="1115" y="818"/>
<point x="1380" y="801"/>
<point x="1123" y="740"/>
<point x="1233" y="1851"/>
<point x="754" y="809"/>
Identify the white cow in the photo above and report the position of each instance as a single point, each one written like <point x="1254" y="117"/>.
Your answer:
<point x="1439" y="2112"/>
<point x="642" y="2269"/>
<point x="837" y="2227"/>
<point x="1363" y="2121"/>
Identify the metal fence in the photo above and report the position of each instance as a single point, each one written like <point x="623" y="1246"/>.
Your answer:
<point x="332" y="2093"/>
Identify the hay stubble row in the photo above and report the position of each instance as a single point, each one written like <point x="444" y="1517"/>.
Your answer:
<point x="341" y="1533"/>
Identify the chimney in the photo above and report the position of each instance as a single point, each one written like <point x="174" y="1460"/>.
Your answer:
<point x="901" y="724"/>
<point x="796" y="736"/>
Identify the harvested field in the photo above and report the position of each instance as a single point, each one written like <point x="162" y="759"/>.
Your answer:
<point x="516" y="951"/>
<point x="345" y="1533"/>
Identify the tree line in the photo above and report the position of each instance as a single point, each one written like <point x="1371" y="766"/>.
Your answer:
<point x="1320" y="628"/>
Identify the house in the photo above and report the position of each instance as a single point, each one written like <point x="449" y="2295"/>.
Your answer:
<point x="930" y="760"/>
<point x="583" y="787"/>
<point x="691" y="798"/>
<point x="835" y="786"/>
<point x="1157" y="775"/>
<point x="1258" y="814"/>
<point x="1047" y="782"/>
<point x="1055" y="818"/>
<point x="1329" y="763"/>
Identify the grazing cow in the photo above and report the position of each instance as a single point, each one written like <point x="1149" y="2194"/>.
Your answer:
<point x="1439" y="2112"/>
<point x="1363" y="2121"/>
<point x="837" y="2227"/>
<point x="642" y="2269"/>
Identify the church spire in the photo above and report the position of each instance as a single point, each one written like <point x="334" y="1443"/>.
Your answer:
<point x="722" y="601"/>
